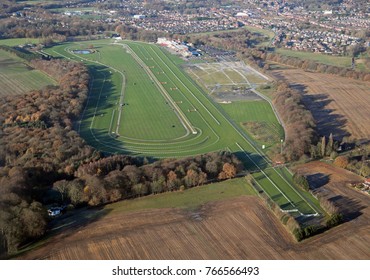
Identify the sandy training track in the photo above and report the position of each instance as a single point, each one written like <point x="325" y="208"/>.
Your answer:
<point x="339" y="105"/>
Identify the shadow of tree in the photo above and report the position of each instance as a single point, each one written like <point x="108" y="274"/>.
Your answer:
<point x="247" y="162"/>
<point x="65" y="226"/>
<point x="349" y="208"/>
<point x="327" y="120"/>
<point x="102" y="87"/>
<point x="317" y="180"/>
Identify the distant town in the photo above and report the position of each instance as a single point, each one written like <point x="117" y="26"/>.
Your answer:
<point x="338" y="31"/>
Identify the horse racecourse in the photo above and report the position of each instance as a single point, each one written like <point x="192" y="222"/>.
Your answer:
<point x="142" y="104"/>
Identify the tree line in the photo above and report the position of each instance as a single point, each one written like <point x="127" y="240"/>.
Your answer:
<point x="238" y="40"/>
<point x="20" y="53"/>
<point x="310" y="65"/>
<point x="133" y="33"/>
<point x="356" y="161"/>
<point x="121" y="177"/>
<point x="33" y="156"/>
<point x="299" y="122"/>
<point x="53" y="146"/>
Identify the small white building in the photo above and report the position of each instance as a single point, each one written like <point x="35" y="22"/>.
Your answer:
<point x="139" y="16"/>
<point x="367" y="182"/>
<point x="53" y="212"/>
<point x="163" y="41"/>
<point x="241" y="14"/>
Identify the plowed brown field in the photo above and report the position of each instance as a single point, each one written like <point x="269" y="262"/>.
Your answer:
<point x="239" y="228"/>
<point x="339" y="105"/>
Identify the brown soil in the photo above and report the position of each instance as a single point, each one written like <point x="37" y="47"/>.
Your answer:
<point x="240" y="228"/>
<point x="352" y="238"/>
<point x="339" y="105"/>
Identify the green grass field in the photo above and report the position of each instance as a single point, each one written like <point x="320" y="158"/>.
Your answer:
<point x="16" y="77"/>
<point x="19" y="41"/>
<point x="189" y="199"/>
<point x="153" y="121"/>
<point x="36" y="2"/>
<point x="253" y="29"/>
<point x="266" y="32"/>
<point x="82" y="9"/>
<point x="267" y="90"/>
<point x="341" y="61"/>
<point x="165" y="114"/>
<point x="253" y="115"/>
<point x="361" y="63"/>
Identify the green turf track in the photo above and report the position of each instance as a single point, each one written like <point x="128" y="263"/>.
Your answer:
<point x="149" y="125"/>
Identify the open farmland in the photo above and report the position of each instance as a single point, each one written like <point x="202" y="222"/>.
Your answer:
<point x="226" y="222"/>
<point x="19" y="41"/>
<point x="141" y="103"/>
<point x="340" y="61"/>
<point x="234" y="228"/>
<point x="214" y="231"/>
<point x="17" y="78"/>
<point x="339" y="105"/>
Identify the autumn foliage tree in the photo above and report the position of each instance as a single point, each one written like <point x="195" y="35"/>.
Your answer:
<point x="121" y="177"/>
<point x="341" y="161"/>
<point x="299" y="122"/>
<point x="228" y="171"/>
<point x="38" y="146"/>
<point x="37" y="127"/>
<point x="21" y="217"/>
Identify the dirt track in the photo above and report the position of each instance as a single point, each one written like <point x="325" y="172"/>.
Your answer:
<point x="339" y="105"/>
<point x="232" y="229"/>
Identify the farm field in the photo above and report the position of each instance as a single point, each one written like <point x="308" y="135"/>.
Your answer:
<point x="216" y="230"/>
<point x="339" y="105"/>
<point x="19" y="41"/>
<point x="17" y="78"/>
<point x="231" y="228"/>
<point x="341" y="61"/>
<point x="142" y="104"/>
